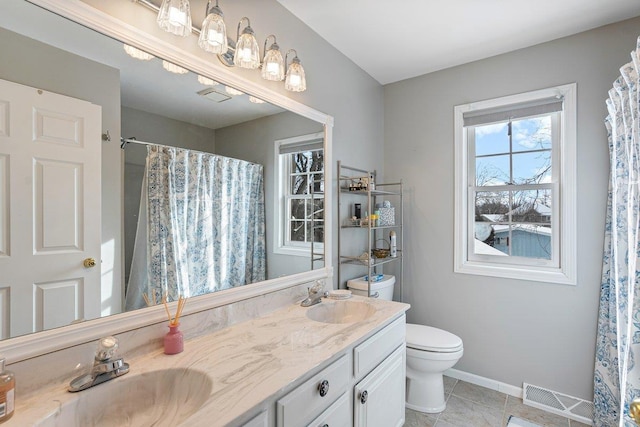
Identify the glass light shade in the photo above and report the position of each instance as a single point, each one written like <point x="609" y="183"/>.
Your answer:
<point x="137" y="53"/>
<point x="206" y="81"/>
<point x="213" y="35"/>
<point x="174" y="17"/>
<point x="295" y="80"/>
<point x="173" y="68"/>
<point x="233" y="92"/>
<point x="247" y="51"/>
<point x="273" y="65"/>
<point x="256" y="100"/>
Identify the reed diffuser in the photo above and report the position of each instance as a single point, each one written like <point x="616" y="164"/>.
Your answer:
<point x="174" y="340"/>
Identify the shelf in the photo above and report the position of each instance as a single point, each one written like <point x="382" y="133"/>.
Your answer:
<point x="378" y="261"/>
<point x="373" y="193"/>
<point x="379" y="227"/>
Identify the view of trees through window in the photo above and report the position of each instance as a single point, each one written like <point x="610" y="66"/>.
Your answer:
<point x="306" y="196"/>
<point x="513" y="186"/>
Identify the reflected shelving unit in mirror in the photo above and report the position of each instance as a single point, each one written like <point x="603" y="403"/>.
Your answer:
<point x="370" y="236"/>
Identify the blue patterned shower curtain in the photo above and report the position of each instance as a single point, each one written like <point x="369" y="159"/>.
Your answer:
<point x="205" y="226"/>
<point x="617" y="374"/>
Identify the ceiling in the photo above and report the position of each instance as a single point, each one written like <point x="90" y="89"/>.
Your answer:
<point x="397" y="40"/>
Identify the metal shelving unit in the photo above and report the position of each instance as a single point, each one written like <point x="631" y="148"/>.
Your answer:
<point x="347" y="175"/>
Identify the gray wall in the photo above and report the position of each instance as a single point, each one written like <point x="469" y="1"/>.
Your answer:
<point x="335" y="85"/>
<point x="513" y="331"/>
<point x="254" y="141"/>
<point x="32" y="63"/>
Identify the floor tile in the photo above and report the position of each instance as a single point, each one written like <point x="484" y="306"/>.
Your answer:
<point x="418" y="419"/>
<point x="449" y="384"/>
<point x="529" y="413"/>
<point x="464" y="413"/>
<point x="478" y="394"/>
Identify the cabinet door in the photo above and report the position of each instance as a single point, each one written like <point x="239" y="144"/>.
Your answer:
<point x="379" y="397"/>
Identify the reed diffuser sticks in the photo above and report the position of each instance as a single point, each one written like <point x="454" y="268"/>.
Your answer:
<point x="174" y="321"/>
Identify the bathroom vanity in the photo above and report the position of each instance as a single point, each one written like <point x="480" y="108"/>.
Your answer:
<point x="281" y="369"/>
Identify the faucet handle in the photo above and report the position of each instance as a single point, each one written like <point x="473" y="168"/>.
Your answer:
<point x="316" y="288"/>
<point x="107" y="348"/>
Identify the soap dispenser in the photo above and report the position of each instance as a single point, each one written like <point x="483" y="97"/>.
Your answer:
<point x="7" y="392"/>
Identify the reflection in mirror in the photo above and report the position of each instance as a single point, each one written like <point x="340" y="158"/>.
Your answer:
<point x="79" y="85"/>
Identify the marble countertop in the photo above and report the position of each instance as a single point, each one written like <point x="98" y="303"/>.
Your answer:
<point x="247" y="363"/>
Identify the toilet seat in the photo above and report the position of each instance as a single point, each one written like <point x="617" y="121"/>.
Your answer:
<point x="427" y="338"/>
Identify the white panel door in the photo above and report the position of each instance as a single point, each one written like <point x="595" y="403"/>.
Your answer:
<point x="50" y="147"/>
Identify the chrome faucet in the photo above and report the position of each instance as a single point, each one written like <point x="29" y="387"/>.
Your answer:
<point x="106" y="366"/>
<point x="315" y="295"/>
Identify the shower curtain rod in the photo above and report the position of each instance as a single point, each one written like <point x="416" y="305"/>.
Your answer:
<point x="125" y="141"/>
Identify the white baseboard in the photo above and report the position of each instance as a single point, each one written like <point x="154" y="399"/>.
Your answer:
<point x="509" y="389"/>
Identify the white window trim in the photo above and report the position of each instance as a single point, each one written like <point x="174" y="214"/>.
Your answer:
<point x="280" y="246"/>
<point x="567" y="271"/>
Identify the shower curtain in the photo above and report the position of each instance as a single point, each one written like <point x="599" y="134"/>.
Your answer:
<point x="205" y="226"/>
<point x="617" y="374"/>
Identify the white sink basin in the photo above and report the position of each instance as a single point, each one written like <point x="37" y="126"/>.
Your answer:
<point x="341" y="312"/>
<point x="159" y="398"/>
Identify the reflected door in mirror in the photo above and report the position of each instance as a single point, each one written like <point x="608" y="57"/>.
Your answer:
<point x="49" y="196"/>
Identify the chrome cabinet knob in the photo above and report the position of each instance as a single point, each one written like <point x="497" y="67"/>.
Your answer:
<point x="323" y="388"/>
<point x="363" y="397"/>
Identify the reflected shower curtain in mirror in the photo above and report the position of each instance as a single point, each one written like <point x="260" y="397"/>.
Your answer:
<point x="205" y="226"/>
<point x="617" y="370"/>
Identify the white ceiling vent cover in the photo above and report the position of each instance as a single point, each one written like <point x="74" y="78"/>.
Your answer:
<point x="213" y="95"/>
<point x="558" y="403"/>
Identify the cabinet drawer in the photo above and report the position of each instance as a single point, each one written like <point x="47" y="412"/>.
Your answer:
<point x="308" y="400"/>
<point x="336" y="415"/>
<point x="260" y="420"/>
<point x="370" y="353"/>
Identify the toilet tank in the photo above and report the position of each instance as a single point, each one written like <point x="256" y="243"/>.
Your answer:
<point x="383" y="287"/>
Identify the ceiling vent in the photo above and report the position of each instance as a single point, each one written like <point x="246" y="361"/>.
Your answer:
<point x="213" y="95"/>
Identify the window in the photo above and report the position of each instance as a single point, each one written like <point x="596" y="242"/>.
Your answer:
<point x="515" y="186"/>
<point x="300" y="199"/>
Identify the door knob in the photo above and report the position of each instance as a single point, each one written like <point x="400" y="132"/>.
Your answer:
<point x="89" y="262"/>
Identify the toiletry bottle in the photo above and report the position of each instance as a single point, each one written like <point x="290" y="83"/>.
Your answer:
<point x="393" y="244"/>
<point x="7" y="392"/>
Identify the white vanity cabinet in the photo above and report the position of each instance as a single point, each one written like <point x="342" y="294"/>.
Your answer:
<point x="370" y="374"/>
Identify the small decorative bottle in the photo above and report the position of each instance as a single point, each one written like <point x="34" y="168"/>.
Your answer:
<point x="173" y="341"/>
<point x="7" y="392"/>
<point x="393" y="244"/>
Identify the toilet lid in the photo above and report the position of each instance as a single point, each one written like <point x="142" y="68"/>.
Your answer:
<point x="427" y="338"/>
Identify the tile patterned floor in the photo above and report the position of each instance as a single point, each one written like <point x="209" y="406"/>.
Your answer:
<point x="469" y="405"/>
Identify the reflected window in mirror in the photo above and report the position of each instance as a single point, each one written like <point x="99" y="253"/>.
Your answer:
<point x="300" y="176"/>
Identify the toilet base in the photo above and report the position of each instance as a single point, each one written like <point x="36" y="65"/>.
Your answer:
<point x="426" y="393"/>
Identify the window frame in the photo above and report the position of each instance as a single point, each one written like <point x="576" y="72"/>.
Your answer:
<point x="282" y="243"/>
<point x="563" y="266"/>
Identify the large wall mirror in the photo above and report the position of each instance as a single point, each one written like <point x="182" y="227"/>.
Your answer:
<point x="48" y="278"/>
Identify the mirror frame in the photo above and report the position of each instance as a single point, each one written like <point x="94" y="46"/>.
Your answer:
<point x="39" y="343"/>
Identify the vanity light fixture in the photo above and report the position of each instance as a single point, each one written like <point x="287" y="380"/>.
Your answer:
<point x="173" y="68"/>
<point x="213" y="35"/>
<point x="273" y="62"/>
<point x="256" y="100"/>
<point x="247" y="51"/>
<point x="232" y="91"/>
<point x="174" y="17"/>
<point x="295" y="80"/>
<point x="137" y="53"/>
<point x="207" y="81"/>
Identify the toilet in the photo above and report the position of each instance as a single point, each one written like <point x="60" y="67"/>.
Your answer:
<point x="430" y="352"/>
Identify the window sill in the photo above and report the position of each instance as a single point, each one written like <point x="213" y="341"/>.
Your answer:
<point x="529" y="273"/>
